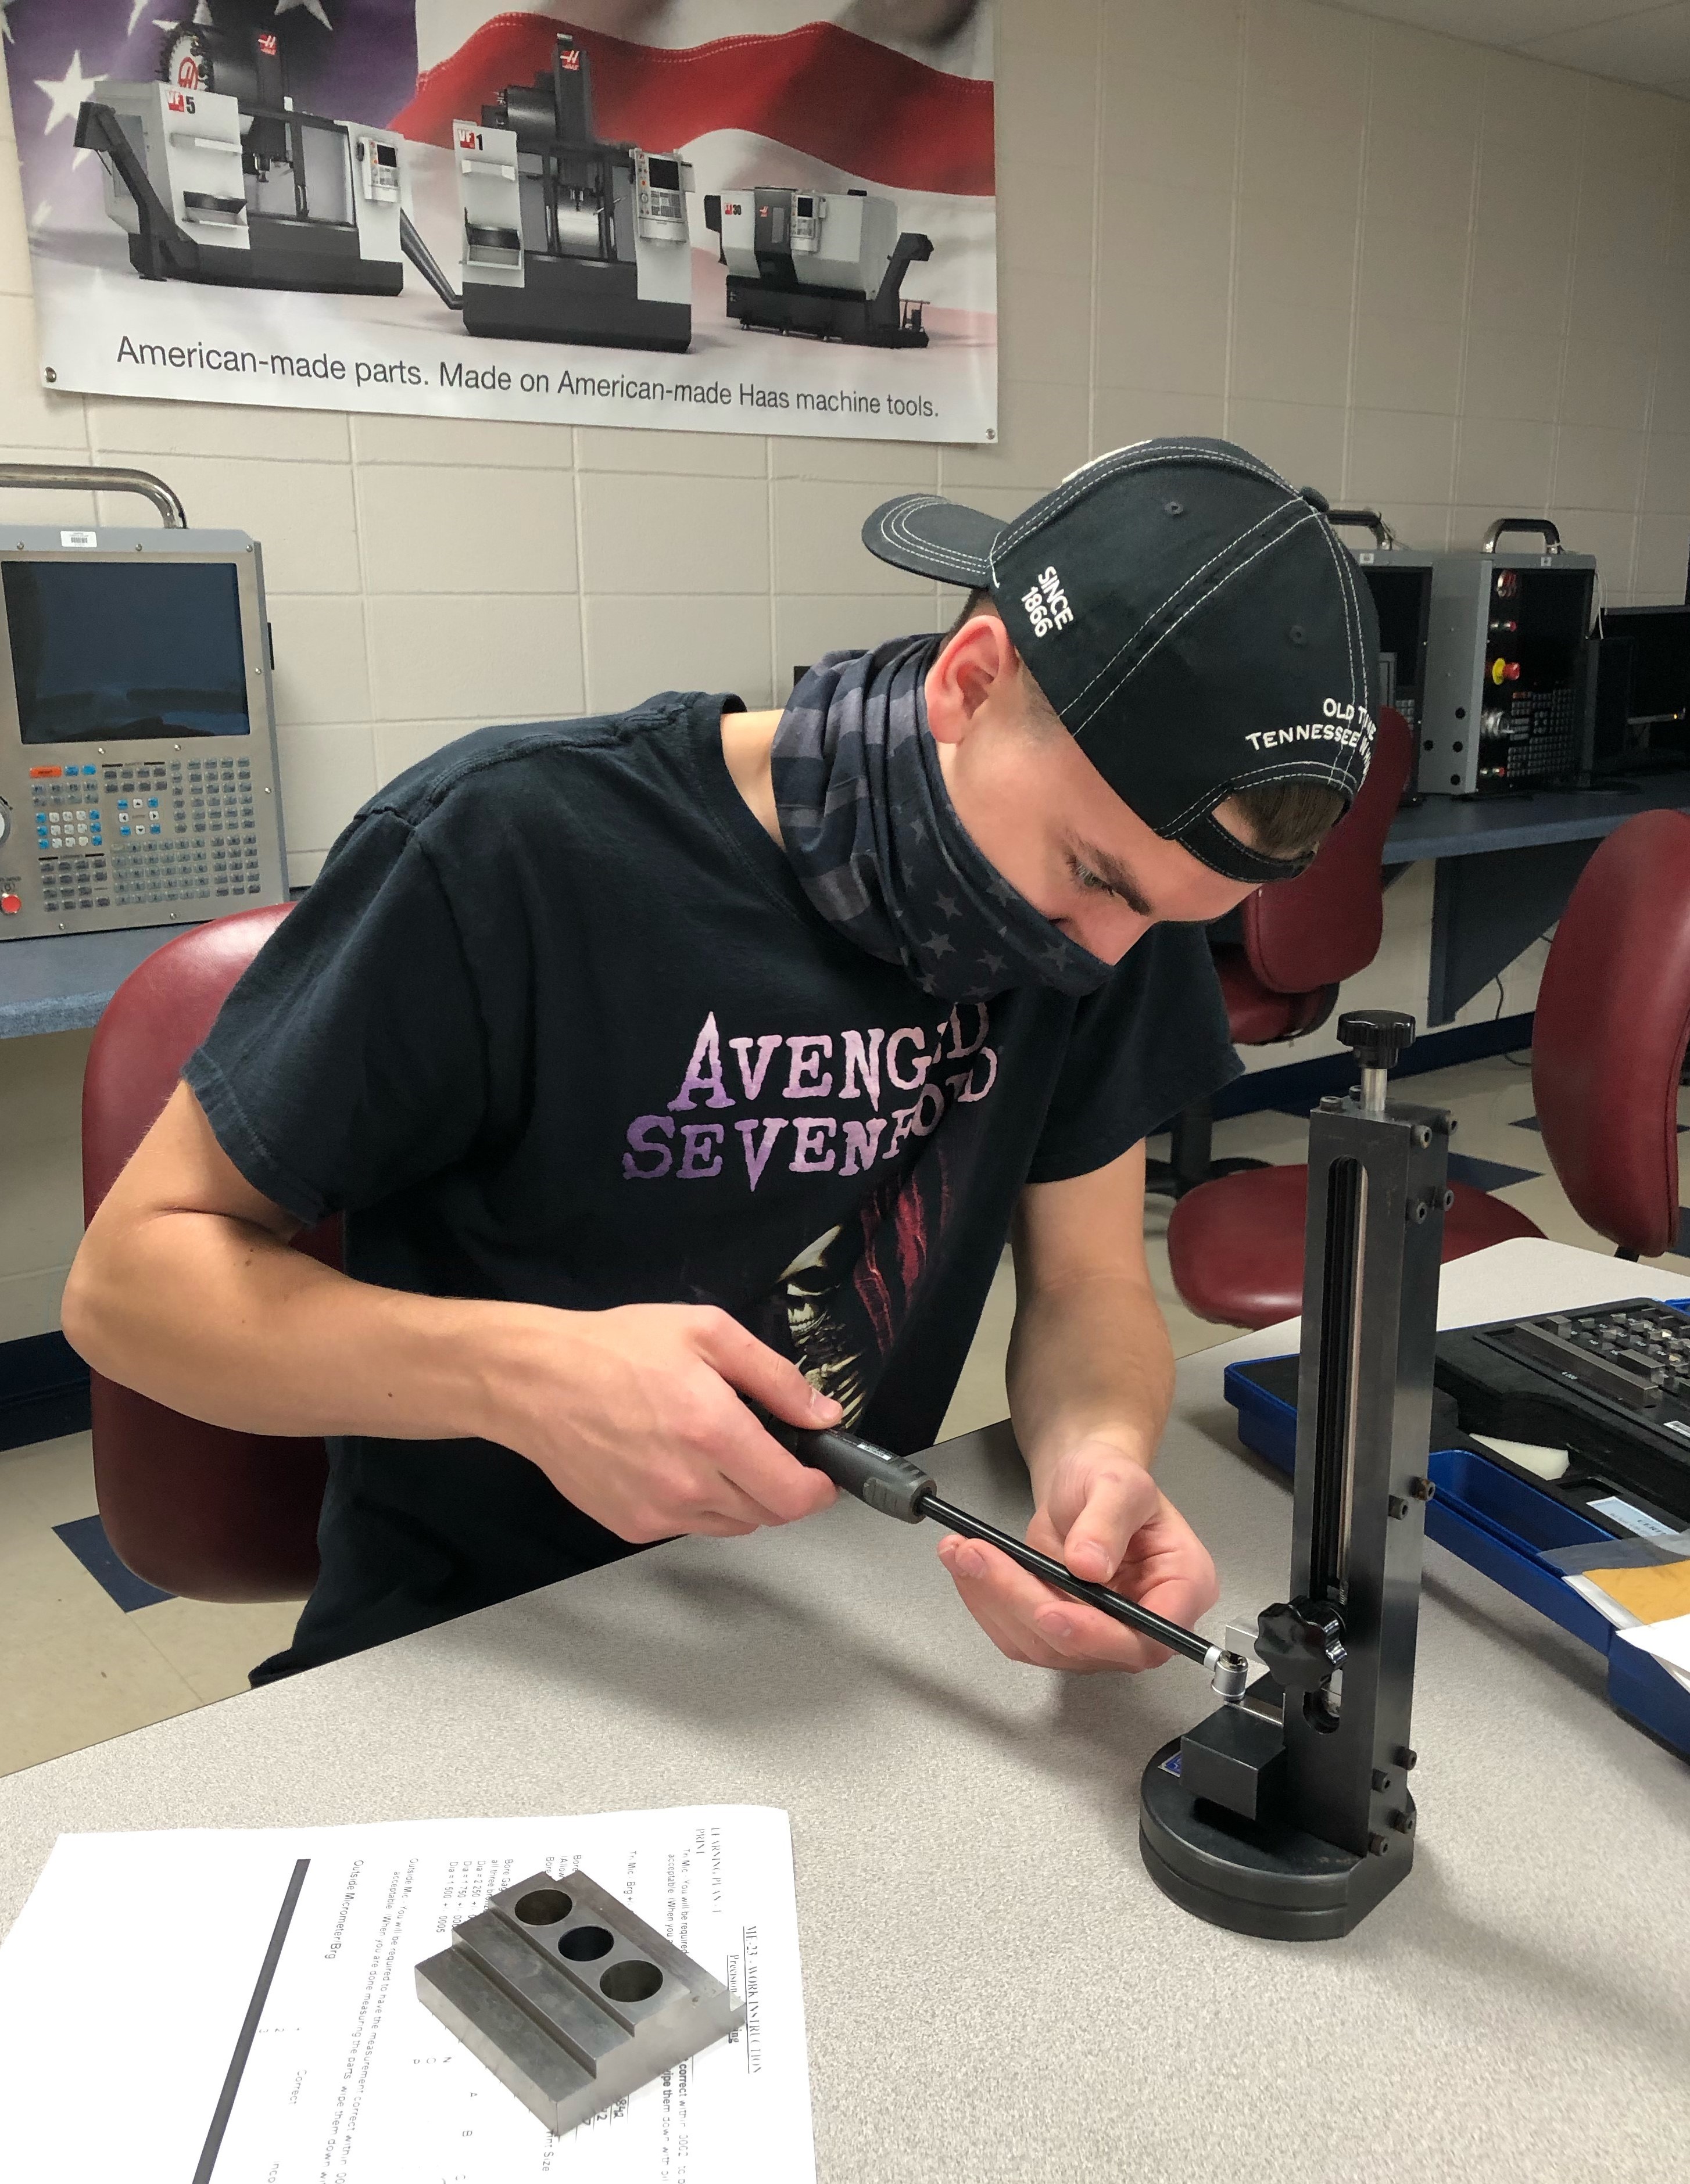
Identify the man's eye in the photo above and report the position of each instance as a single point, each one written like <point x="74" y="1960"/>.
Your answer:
<point x="1090" y="880"/>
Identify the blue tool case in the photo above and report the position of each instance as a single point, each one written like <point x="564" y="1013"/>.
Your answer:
<point x="1496" y="1517"/>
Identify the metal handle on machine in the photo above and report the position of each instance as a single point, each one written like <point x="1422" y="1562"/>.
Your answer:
<point x="1550" y="536"/>
<point x="71" y="478"/>
<point x="1363" y="519"/>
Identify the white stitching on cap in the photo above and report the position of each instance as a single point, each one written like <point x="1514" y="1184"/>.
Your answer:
<point x="1333" y="773"/>
<point x="1092" y="461"/>
<point x="1232" y="576"/>
<point x="1081" y="483"/>
<point x="1359" y="694"/>
<point x="896" y="532"/>
<point x="1195" y="577"/>
<point x="1167" y="451"/>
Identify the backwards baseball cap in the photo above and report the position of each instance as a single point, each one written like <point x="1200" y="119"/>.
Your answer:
<point x="1195" y="622"/>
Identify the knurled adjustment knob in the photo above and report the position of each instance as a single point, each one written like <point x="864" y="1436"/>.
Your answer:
<point x="1301" y="1643"/>
<point x="1379" y="1037"/>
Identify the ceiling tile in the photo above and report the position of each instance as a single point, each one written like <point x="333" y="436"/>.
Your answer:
<point x="1646" y="44"/>
<point x="1650" y="48"/>
<point x="1494" y="22"/>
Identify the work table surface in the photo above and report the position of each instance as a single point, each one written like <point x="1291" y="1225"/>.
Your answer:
<point x="995" y="1989"/>
<point x="1471" y="825"/>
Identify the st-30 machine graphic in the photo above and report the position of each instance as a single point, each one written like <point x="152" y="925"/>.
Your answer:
<point x="802" y="262"/>
<point x="216" y="175"/>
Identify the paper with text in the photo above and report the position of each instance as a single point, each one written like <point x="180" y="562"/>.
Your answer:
<point x="126" y="1985"/>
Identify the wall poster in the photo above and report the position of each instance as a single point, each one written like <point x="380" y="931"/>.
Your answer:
<point x="716" y="215"/>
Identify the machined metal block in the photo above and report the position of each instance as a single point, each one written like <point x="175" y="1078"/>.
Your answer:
<point x="569" y="1999"/>
<point x="1237" y="1759"/>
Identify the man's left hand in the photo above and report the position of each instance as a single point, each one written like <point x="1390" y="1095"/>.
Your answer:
<point x="1101" y="1514"/>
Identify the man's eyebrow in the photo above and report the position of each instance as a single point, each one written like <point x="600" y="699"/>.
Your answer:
<point x="1114" y="874"/>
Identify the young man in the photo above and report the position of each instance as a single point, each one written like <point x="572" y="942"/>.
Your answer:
<point x="691" y="1055"/>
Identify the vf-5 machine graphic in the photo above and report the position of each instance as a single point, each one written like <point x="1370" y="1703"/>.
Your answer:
<point x="215" y="176"/>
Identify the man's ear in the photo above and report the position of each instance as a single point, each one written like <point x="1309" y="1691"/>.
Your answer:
<point x="973" y="665"/>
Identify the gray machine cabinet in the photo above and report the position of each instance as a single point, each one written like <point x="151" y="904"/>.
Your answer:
<point x="1529" y="608"/>
<point x="99" y="834"/>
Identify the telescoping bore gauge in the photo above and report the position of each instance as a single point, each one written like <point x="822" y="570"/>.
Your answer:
<point x="898" y="1487"/>
<point x="1286" y="1812"/>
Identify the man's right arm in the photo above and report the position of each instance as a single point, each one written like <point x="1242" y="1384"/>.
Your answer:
<point x="186" y="1289"/>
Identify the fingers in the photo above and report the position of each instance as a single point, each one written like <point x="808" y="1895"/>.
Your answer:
<point x="1117" y="1499"/>
<point x="1183" y="1595"/>
<point x="750" y="1474"/>
<point x="1031" y="1621"/>
<point x="763" y="1373"/>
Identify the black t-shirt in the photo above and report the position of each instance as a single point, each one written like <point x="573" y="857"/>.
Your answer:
<point x="558" y="1024"/>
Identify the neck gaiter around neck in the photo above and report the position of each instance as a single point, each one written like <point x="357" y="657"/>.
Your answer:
<point x="869" y="827"/>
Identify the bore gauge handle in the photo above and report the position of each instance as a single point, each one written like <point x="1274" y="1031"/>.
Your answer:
<point x="891" y="1484"/>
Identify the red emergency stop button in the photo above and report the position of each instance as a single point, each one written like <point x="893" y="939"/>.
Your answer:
<point x="10" y="905"/>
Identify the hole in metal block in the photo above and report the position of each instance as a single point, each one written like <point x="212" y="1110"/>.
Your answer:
<point x="583" y="1943"/>
<point x="632" y="1980"/>
<point x="543" y="1907"/>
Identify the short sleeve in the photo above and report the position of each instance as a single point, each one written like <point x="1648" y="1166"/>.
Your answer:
<point x="350" y="1059"/>
<point x="1145" y="1045"/>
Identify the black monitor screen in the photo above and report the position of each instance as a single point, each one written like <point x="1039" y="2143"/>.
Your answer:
<point x="113" y="652"/>
<point x="1660" y="637"/>
<point x="664" y="173"/>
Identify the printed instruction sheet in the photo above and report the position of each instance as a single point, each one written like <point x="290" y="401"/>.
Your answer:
<point x="223" y="2007"/>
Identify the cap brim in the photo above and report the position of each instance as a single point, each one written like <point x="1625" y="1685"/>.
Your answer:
<point x="933" y="537"/>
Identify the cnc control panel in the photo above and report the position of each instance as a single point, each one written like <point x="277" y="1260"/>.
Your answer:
<point x="138" y="746"/>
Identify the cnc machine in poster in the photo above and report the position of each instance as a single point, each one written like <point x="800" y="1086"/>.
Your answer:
<point x="716" y="215"/>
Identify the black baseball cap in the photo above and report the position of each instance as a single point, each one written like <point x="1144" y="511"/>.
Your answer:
<point x="1194" y="620"/>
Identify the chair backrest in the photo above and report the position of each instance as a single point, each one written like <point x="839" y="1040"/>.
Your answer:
<point x="194" y="1508"/>
<point x="1324" y="926"/>
<point x="1609" y="1040"/>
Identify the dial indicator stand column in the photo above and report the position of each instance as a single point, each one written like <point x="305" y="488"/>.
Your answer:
<point x="1290" y="1817"/>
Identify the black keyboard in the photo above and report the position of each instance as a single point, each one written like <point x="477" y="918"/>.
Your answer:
<point x="1610" y="1382"/>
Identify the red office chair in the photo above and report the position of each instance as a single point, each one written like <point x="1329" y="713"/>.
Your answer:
<point x="1609" y="1040"/>
<point x="1608" y="1050"/>
<point x="1300" y="939"/>
<point x="196" y="1509"/>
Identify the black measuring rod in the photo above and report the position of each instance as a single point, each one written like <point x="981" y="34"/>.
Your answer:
<point x="898" y="1487"/>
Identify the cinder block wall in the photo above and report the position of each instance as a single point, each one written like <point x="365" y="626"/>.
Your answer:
<point x="1407" y="270"/>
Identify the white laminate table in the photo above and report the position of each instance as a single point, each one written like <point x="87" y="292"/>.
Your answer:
<point x="995" y="1989"/>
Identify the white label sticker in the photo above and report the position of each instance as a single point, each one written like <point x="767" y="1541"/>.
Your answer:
<point x="79" y="537"/>
<point x="1634" y="1520"/>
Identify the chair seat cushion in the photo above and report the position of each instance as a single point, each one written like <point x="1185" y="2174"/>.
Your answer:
<point x="1256" y="1016"/>
<point x="1235" y="1245"/>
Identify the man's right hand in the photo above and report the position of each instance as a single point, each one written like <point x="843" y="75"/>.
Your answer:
<point x="186" y="1289"/>
<point x="634" y="1414"/>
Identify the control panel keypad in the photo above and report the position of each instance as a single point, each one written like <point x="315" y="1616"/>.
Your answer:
<point x="138" y="832"/>
<point x="79" y="883"/>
